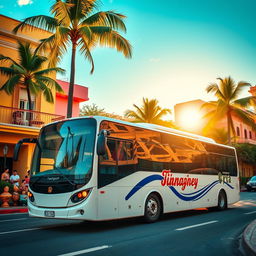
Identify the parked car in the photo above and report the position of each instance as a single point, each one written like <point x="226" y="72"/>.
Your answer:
<point x="251" y="184"/>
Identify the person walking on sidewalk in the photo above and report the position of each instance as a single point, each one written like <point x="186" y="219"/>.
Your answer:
<point x="15" y="178"/>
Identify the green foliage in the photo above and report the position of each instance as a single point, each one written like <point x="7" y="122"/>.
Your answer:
<point x="91" y="110"/>
<point x="94" y="110"/>
<point x="4" y="184"/>
<point x="149" y="112"/>
<point x="246" y="152"/>
<point x="228" y="105"/>
<point x="77" y="23"/>
<point x="28" y="71"/>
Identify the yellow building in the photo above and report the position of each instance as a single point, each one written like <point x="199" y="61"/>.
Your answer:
<point x="13" y="108"/>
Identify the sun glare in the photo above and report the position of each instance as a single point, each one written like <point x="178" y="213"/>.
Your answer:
<point x="190" y="119"/>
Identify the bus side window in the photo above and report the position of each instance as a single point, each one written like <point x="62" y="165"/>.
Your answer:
<point x="126" y="161"/>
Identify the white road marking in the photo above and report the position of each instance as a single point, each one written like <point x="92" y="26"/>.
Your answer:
<point x="250" y="212"/>
<point x="17" y="231"/>
<point x="13" y="219"/>
<point x="197" y="225"/>
<point x="86" y="250"/>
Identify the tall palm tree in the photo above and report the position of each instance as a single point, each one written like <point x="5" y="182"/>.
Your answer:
<point x="29" y="72"/>
<point x="149" y="112"/>
<point x="229" y="104"/>
<point x="76" y="22"/>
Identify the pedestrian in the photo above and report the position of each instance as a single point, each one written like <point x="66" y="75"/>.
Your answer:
<point x="5" y="175"/>
<point x="15" y="178"/>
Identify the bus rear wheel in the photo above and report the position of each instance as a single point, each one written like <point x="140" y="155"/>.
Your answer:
<point x="153" y="208"/>
<point x="222" y="201"/>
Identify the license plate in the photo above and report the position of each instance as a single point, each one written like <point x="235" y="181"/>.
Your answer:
<point x="49" y="213"/>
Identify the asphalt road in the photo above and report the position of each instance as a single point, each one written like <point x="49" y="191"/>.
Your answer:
<point x="197" y="232"/>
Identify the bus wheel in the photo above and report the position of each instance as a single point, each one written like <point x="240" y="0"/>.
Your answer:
<point x="222" y="201"/>
<point x="153" y="208"/>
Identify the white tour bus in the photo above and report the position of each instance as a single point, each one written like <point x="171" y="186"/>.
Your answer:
<point x="97" y="168"/>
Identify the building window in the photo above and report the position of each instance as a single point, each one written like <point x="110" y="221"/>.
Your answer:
<point x="237" y="131"/>
<point x="23" y="104"/>
<point x="250" y="135"/>
<point x="245" y="133"/>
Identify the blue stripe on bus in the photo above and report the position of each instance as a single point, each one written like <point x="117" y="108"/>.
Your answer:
<point x="142" y="183"/>
<point x="183" y="196"/>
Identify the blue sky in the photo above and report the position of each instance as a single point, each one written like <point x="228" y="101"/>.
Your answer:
<point x="179" y="47"/>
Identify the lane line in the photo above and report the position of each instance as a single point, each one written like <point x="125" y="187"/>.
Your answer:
<point x="17" y="231"/>
<point x="197" y="225"/>
<point x="250" y="212"/>
<point x="13" y="219"/>
<point x="86" y="250"/>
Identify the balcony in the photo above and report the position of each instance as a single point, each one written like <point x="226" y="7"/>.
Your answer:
<point x="15" y="116"/>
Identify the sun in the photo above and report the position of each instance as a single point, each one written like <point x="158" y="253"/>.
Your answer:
<point x="190" y="119"/>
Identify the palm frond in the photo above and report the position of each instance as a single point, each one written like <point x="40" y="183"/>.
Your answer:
<point x="81" y="8"/>
<point x="61" y="12"/>
<point x="33" y="87"/>
<point x="245" y="102"/>
<point x="25" y="54"/>
<point x="246" y="117"/>
<point x="51" y="83"/>
<point x="239" y="88"/>
<point x="5" y="58"/>
<point x="86" y="50"/>
<point x="46" y="91"/>
<point x="37" y="62"/>
<point x="40" y="21"/>
<point x="10" y="84"/>
<point x="106" y="19"/>
<point x="49" y="71"/>
<point x="8" y="71"/>
<point x="110" y="38"/>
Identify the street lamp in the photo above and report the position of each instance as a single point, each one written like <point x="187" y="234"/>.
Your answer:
<point x="5" y="151"/>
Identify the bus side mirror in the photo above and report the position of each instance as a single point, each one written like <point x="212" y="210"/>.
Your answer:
<point x="101" y="142"/>
<point x="18" y="145"/>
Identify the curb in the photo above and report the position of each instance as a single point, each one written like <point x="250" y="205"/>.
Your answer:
<point x="249" y="239"/>
<point x="15" y="210"/>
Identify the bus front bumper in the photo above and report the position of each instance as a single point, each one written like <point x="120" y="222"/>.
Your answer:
<point x="75" y="212"/>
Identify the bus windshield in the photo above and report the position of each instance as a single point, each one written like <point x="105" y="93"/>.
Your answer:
<point x="65" y="152"/>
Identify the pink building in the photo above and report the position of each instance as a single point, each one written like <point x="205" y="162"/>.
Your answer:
<point x="80" y="95"/>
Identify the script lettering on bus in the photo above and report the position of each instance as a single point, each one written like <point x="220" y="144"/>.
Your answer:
<point x="224" y="177"/>
<point x="183" y="182"/>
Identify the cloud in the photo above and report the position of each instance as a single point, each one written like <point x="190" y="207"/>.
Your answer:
<point x="24" y="2"/>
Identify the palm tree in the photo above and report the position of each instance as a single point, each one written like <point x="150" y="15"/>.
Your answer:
<point x="75" y="22"/>
<point x="92" y="110"/>
<point x="229" y="105"/>
<point x="220" y="135"/>
<point x="150" y="112"/>
<point x="29" y="72"/>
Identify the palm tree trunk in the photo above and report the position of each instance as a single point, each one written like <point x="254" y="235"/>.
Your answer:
<point x="229" y="130"/>
<point x="29" y="105"/>
<point x="72" y="81"/>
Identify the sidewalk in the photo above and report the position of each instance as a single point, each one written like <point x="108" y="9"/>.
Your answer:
<point x="249" y="239"/>
<point x="18" y="209"/>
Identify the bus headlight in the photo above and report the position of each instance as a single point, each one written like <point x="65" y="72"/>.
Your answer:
<point x="31" y="196"/>
<point x="80" y="196"/>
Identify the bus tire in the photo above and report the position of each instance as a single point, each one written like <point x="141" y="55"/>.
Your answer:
<point x="222" y="201"/>
<point x="153" y="208"/>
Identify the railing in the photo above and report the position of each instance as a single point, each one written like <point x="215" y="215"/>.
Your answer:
<point x="24" y="117"/>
